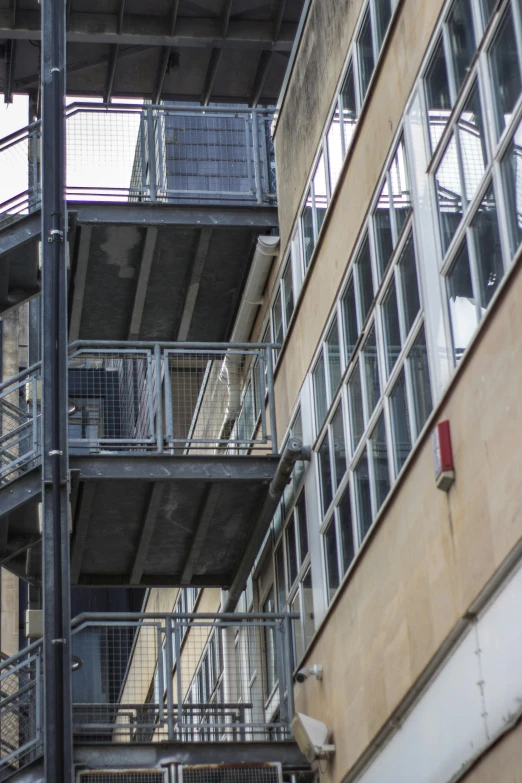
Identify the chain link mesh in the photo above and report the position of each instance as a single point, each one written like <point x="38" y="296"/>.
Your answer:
<point x="20" y="736"/>
<point x="237" y="773"/>
<point x="19" y="167"/>
<point x="127" y="776"/>
<point x="19" y="426"/>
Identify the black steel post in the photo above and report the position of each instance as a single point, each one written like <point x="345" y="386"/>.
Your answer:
<point x="55" y="534"/>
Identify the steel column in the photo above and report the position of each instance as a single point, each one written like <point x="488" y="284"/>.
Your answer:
<point x="55" y="556"/>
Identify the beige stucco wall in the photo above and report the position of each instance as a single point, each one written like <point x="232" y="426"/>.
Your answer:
<point x="394" y="81"/>
<point x="431" y="553"/>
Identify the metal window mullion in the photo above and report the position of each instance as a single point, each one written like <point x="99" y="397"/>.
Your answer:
<point x="517" y="23"/>
<point x="446" y="47"/>
<point x="374" y="32"/>
<point x="502" y="212"/>
<point x="160" y="135"/>
<point x="339" y="103"/>
<point x="161" y="684"/>
<point x="170" y="669"/>
<point x="470" y="239"/>
<point x="314" y="215"/>
<point x="393" y="216"/>
<point x="478" y="21"/>
<point x="364" y="393"/>
<point x="410" y="395"/>
<point x="359" y="97"/>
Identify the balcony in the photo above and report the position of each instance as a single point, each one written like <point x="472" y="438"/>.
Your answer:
<point x="165" y="204"/>
<point x="174" y="467"/>
<point x="177" y="683"/>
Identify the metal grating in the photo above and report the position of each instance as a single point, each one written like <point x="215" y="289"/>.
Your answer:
<point x="230" y="773"/>
<point x="122" y="776"/>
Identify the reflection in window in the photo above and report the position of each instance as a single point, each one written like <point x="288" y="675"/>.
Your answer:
<point x="308" y="608"/>
<point x="392" y="332"/>
<point x="288" y="293"/>
<point x="488" y="6"/>
<point x="351" y="332"/>
<point x="472" y="144"/>
<point x="325" y="474"/>
<point x="512" y="170"/>
<point x="400" y="188"/>
<point x="320" y="193"/>
<point x="291" y="551"/>
<point x="409" y="284"/>
<point x="339" y="446"/>
<point x="335" y="147"/>
<point x="332" y="566"/>
<point x="400" y="422"/>
<point x="345" y="525"/>
<point x="321" y="403"/>
<point x="379" y="452"/>
<point x="437" y="95"/>
<point x="363" y="496"/>
<point x="462" y="39"/>
<point x="356" y="407"/>
<point x="268" y="631"/>
<point x="420" y="378"/>
<point x="307" y="221"/>
<point x="349" y="107"/>
<point x="277" y="320"/>
<point x="365" y="50"/>
<point x="371" y="371"/>
<point x="383" y="230"/>
<point x="383" y="14"/>
<point x="488" y="251"/>
<point x="463" y="311"/>
<point x="449" y="193"/>
<point x="334" y="358"/>
<point x="364" y="276"/>
<point x="505" y="70"/>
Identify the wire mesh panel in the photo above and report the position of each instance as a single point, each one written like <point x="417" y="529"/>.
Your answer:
<point x="182" y="679"/>
<point x="19" y="425"/>
<point x="20" y="711"/>
<point x="230" y="773"/>
<point x="215" y="399"/>
<point x="123" y="776"/>
<point x="111" y="400"/>
<point x="19" y="168"/>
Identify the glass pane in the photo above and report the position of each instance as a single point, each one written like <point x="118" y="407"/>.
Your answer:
<point x="505" y="71"/>
<point x="334" y="358"/>
<point x="365" y="51"/>
<point x="371" y="371"/>
<point x="379" y="452"/>
<point x="438" y="98"/>
<point x="471" y="134"/>
<point x="462" y="39"/>
<point x="291" y="552"/>
<point x="308" y="608"/>
<point x="297" y="432"/>
<point x="332" y="565"/>
<point x="325" y="474"/>
<point x="362" y="488"/>
<point x="303" y="529"/>
<point x="335" y="148"/>
<point x="320" y="193"/>
<point x="349" y="106"/>
<point x="346" y="531"/>
<point x="463" y="313"/>
<point x="383" y="231"/>
<point x="297" y="628"/>
<point x="351" y="332"/>
<point x="270" y="673"/>
<point x="307" y="223"/>
<point x="449" y="194"/>
<point x="364" y="277"/>
<point x="409" y="284"/>
<point x="356" y="406"/>
<point x="512" y="170"/>
<point x="383" y="13"/>
<point x="288" y="293"/>
<point x="400" y="188"/>
<point x="420" y="377"/>
<point x="321" y="404"/>
<point x="488" y="6"/>
<point x="339" y="446"/>
<point x="392" y="332"/>
<point x="400" y="422"/>
<point x="280" y="576"/>
<point x="487" y="248"/>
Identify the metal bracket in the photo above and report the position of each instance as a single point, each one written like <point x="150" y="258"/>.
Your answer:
<point x="55" y="235"/>
<point x="58" y="641"/>
<point x="56" y="452"/>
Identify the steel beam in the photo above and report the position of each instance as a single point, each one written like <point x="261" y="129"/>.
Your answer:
<point x="111" y="72"/>
<point x="163" y="64"/>
<point x="25" y="489"/>
<point x="175" y="468"/>
<point x="10" y="54"/>
<point x="278" y="12"/>
<point x="206" y="513"/>
<point x="79" y="283"/>
<point x="147" y="255"/>
<point x="195" y="281"/>
<point x="55" y="541"/>
<point x="225" y="16"/>
<point x="210" y="78"/>
<point x="171" y="215"/>
<point x="146" y="533"/>
<point x="102" y="28"/>
<point x="17" y="234"/>
<point x="81" y="529"/>
<point x="263" y="66"/>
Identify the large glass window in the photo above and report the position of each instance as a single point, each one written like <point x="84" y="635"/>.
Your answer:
<point x="505" y="70"/>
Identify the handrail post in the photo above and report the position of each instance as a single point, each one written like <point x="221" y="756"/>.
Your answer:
<point x="152" y="154"/>
<point x="287" y="625"/>
<point x="169" y="668"/>
<point x="159" y="399"/>
<point x="271" y="400"/>
<point x="257" y="165"/>
<point x="179" y="683"/>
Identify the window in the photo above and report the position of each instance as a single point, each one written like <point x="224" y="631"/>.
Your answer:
<point x="505" y="70"/>
<point x="327" y="373"/>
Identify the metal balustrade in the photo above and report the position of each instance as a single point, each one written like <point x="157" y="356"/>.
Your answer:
<point x="154" y="154"/>
<point x="147" y="398"/>
<point x="144" y="678"/>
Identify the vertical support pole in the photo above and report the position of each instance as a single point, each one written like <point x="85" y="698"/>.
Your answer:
<point x="169" y="668"/>
<point x="159" y="399"/>
<point x="281" y="673"/>
<point x="261" y="364"/>
<point x="288" y="667"/>
<point x="55" y="534"/>
<point x="257" y="165"/>
<point x="179" y="682"/>
<point x="152" y="154"/>
<point x="271" y="401"/>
